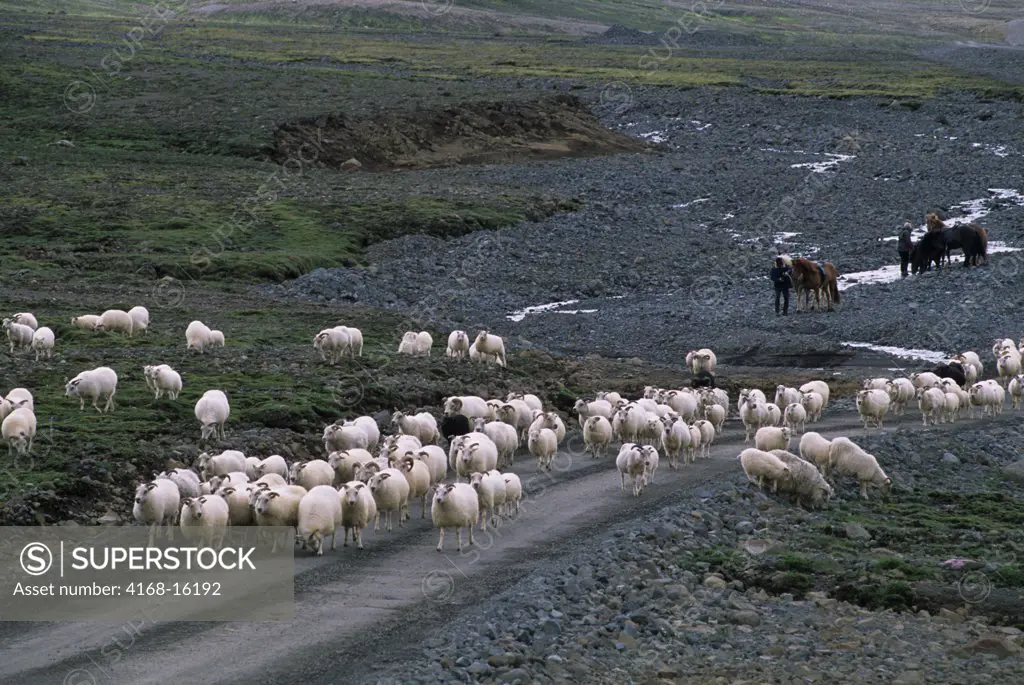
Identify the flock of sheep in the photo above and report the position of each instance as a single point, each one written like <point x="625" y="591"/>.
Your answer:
<point x="365" y="476"/>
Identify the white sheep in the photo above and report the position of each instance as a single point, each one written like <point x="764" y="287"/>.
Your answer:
<point x="771" y="438"/>
<point x="26" y="319"/>
<point x="550" y="420"/>
<point x="653" y="431"/>
<point x="972" y="366"/>
<point x="94" y="384"/>
<point x="820" y="387"/>
<point x="239" y="509"/>
<point x="490" y="492"/>
<point x="875" y="384"/>
<point x="504" y="437"/>
<point x="951" y="407"/>
<point x="1016" y="389"/>
<point x="346" y="462"/>
<point x="597" y="435"/>
<point x="677" y="439"/>
<point x="187" y="481"/>
<point x="470" y="406"/>
<point x="455" y="506"/>
<point x="310" y="474"/>
<point x="418" y="475"/>
<point x="250" y="467"/>
<point x="140" y="319"/>
<point x="338" y="437"/>
<point x="395" y="446"/>
<point x="651" y="461"/>
<point x="43" y="342"/>
<point x="795" y="417"/>
<point x="157" y="504"/>
<point x="1008" y="365"/>
<point x="358" y="508"/>
<point x="87" y="322"/>
<point x="901" y="391"/>
<point x="458" y="345"/>
<point x="205" y="518"/>
<point x="332" y="343"/>
<point x="163" y="379"/>
<point x="813" y="403"/>
<point x="707" y="436"/>
<point x="543" y="444"/>
<point x="754" y="415"/>
<point x="416" y="344"/>
<point x="228" y="461"/>
<point x="516" y="413"/>
<point x="785" y="396"/>
<point x="270" y="480"/>
<point x="212" y="410"/>
<point x="763" y="468"/>
<point x="931" y="402"/>
<point x="369" y="426"/>
<point x="613" y="398"/>
<point x="436" y="460"/>
<point x="814" y="448"/>
<point x="116" y="321"/>
<point x="715" y="413"/>
<point x="702" y="360"/>
<point x="531" y="400"/>
<point x="489" y="344"/>
<point x="631" y="464"/>
<point x="228" y="479"/>
<point x="278" y="507"/>
<point x="390" y="491"/>
<point x="628" y="422"/>
<point x="925" y="379"/>
<point x="774" y="414"/>
<point x="197" y="336"/>
<point x="846" y="458"/>
<point x="872" y="405"/>
<point x="696" y="446"/>
<point x="18" y="429"/>
<point x="21" y="397"/>
<point x="988" y="395"/>
<point x="216" y="338"/>
<point x="19" y="335"/>
<point x="275" y="463"/>
<point x="803" y="482"/>
<point x="423" y="425"/>
<point x="596" y="408"/>
<point x="513" y="494"/>
<point x="477" y="453"/>
<point x="752" y="394"/>
<point x="319" y="514"/>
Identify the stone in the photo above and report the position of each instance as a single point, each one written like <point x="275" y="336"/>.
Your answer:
<point x="855" y="531"/>
<point x="479" y="668"/>
<point x="994" y="644"/>
<point x="351" y="164"/>
<point x="745" y="618"/>
<point x="744" y="527"/>
<point x="624" y="641"/>
<point x="950" y="458"/>
<point x="1014" y="471"/>
<point x="716" y="582"/>
<point x="909" y="678"/>
<point x="111" y="518"/>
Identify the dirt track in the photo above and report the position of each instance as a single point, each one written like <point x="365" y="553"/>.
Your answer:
<point x="372" y="592"/>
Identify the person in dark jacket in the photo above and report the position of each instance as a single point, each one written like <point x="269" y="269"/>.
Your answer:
<point x="781" y="277"/>
<point x="905" y="245"/>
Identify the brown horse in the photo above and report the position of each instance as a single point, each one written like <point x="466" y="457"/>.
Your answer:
<point x="821" y="280"/>
<point x="971" y="238"/>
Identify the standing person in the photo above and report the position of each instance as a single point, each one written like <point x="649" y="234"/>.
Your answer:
<point x="781" y="277"/>
<point x="905" y="245"/>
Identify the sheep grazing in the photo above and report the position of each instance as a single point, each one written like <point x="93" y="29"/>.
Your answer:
<point x="332" y="343"/>
<point x="358" y="508"/>
<point x="26" y="319"/>
<point x="205" y="518"/>
<point x="43" y="342"/>
<point x="795" y="417"/>
<point x="157" y="504"/>
<point x="116" y="321"/>
<point x="489" y="344"/>
<point x="416" y="344"/>
<point x="803" y="482"/>
<point x="310" y="474"/>
<point x="820" y="387"/>
<point x="390" y="491"/>
<point x="140" y="319"/>
<point x="19" y="335"/>
<point x="20" y="397"/>
<point x="212" y="410"/>
<point x="763" y="468"/>
<point x="228" y="461"/>
<point x="455" y="506"/>
<point x="458" y="345"/>
<point x="846" y="458"/>
<point x="543" y="444"/>
<point x="814" y="448"/>
<point x="94" y="384"/>
<point x="631" y="464"/>
<point x="216" y="338"/>
<point x="319" y="514"/>
<point x="162" y="379"/>
<point x="597" y="435"/>
<point x="87" y="322"/>
<point x="771" y="438"/>
<point x="18" y="429"/>
<point x="197" y="336"/>
<point x="901" y="391"/>
<point x="702" y="360"/>
<point x="872" y="405"/>
<point x="931" y="402"/>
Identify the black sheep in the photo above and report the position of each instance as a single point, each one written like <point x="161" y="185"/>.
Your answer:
<point x="954" y="370"/>
<point x="452" y="426"/>
<point x="704" y="379"/>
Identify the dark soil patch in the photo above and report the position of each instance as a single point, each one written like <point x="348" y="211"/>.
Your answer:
<point x="469" y="133"/>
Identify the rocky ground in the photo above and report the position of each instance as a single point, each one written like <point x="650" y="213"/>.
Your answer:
<point x="735" y="587"/>
<point x="677" y="244"/>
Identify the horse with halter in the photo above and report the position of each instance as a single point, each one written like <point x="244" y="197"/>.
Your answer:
<point x="940" y="239"/>
<point x="820" y="279"/>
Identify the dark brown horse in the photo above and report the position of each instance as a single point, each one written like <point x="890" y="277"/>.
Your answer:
<point x="941" y="239"/>
<point x="820" y="279"/>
